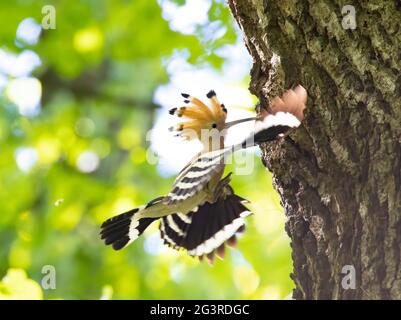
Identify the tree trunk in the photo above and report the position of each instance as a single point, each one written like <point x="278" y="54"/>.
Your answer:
<point x="339" y="175"/>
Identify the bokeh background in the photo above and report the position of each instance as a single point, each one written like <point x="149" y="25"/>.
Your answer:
<point x="83" y="136"/>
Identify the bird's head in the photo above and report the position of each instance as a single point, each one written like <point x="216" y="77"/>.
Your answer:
<point x="203" y="121"/>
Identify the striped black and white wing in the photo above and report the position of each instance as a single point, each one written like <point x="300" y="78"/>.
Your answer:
<point x="205" y="230"/>
<point x="174" y="228"/>
<point x="195" y="176"/>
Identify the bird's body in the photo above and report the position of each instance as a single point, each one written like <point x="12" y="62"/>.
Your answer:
<point x="201" y="212"/>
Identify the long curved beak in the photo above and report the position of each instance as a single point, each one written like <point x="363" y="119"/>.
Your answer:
<point x="233" y="123"/>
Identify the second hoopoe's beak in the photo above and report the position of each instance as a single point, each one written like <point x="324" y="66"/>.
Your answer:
<point x="235" y="122"/>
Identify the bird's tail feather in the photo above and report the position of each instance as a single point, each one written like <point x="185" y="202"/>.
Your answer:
<point x="123" y="229"/>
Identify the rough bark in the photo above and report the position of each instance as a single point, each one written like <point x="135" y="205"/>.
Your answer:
<point x="339" y="175"/>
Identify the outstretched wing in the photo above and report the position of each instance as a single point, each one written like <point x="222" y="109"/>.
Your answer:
<point x="206" y="230"/>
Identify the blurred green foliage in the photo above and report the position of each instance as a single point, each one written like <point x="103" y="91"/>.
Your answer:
<point x="99" y="70"/>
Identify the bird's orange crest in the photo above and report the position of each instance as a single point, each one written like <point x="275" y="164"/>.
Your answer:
<point x="199" y="116"/>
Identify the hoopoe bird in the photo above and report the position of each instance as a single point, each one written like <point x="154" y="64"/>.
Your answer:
<point x="201" y="213"/>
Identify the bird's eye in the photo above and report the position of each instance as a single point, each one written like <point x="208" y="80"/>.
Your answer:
<point x="214" y="125"/>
